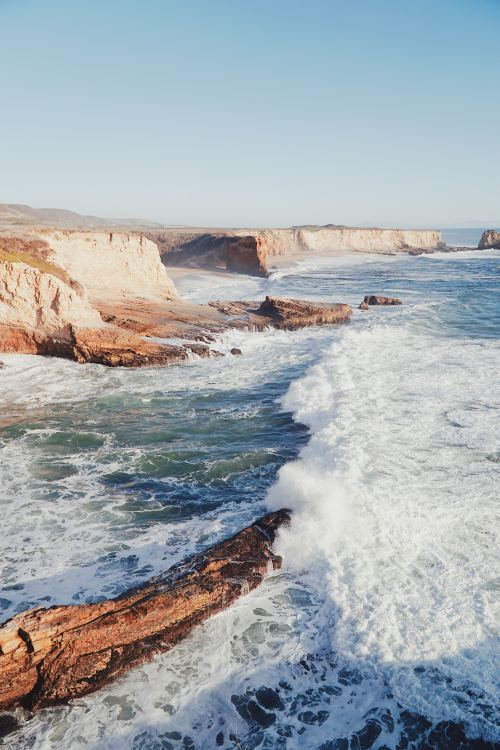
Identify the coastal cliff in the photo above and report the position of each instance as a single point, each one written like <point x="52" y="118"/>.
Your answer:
<point x="252" y="251"/>
<point x="111" y="264"/>
<point x="101" y="297"/>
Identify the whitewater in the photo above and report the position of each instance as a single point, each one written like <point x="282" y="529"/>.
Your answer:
<point x="382" y="436"/>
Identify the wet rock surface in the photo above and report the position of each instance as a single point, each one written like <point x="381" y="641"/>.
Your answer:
<point x="48" y="656"/>
<point x="282" y="715"/>
<point x="290" y="314"/>
<point x="378" y="299"/>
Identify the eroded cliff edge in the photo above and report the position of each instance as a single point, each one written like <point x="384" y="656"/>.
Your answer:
<point x="256" y="251"/>
<point x="102" y="296"/>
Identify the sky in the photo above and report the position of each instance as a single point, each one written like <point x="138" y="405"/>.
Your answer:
<point x="253" y="112"/>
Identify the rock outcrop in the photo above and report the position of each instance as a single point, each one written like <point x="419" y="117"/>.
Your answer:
<point x="246" y="255"/>
<point x="377" y="299"/>
<point x="48" y="656"/>
<point x="239" y="254"/>
<point x="201" y="322"/>
<point x="290" y="314"/>
<point x="490" y="238"/>
<point x="115" y="347"/>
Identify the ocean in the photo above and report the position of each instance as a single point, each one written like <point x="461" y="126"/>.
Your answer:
<point x="383" y="437"/>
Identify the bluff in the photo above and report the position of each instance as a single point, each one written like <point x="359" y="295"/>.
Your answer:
<point x="50" y="286"/>
<point x="110" y="264"/>
<point x="252" y="251"/>
<point x="101" y="297"/>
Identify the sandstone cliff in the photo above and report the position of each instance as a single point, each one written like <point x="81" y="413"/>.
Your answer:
<point x="36" y="304"/>
<point x="111" y="264"/>
<point x="52" y="282"/>
<point x="94" y="297"/>
<point x="253" y="251"/>
<point x="41" y="313"/>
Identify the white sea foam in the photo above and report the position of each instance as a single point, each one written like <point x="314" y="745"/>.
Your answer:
<point x="397" y="489"/>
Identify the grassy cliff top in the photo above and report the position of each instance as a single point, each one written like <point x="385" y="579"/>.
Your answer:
<point x="33" y="253"/>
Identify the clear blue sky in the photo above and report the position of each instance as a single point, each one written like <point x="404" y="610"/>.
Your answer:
<point x="253" y="112"/>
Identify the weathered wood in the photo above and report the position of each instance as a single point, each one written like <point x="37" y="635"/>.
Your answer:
<point x="48" y="656"/>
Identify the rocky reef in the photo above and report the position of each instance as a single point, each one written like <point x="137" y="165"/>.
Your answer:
<point x="48" y="656"/>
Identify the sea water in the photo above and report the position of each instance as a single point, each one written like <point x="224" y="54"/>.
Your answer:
<point x="382" y="436"/>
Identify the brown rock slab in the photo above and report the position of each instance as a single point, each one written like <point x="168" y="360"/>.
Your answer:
<point x="48" y="656"/>
<point x="376" y="299"/>
<point x="291" y="314"/>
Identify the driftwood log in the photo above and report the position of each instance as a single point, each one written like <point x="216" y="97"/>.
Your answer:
<point x="48" y="656"/>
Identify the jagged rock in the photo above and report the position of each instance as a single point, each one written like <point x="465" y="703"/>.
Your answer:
<point x="291" y="314"/>
<point x="490" y="238"/>
<point x="48" y="656"/>
<point x="246" y="255"/>
<point x="114" y="347"/>
<point x="375" y="299"/>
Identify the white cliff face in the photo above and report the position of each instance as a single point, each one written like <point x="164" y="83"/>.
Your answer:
<point x="338" y="240"/>
<point x="111" y="264"/>
<point x="37" y="301"/>
<point x="363" y="240"/>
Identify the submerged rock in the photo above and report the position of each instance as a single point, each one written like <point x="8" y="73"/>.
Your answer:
<point x="235" y="350"/>
<point x="8" y="724"/>
<point x="490" y="238"/>
<point x="377" y="299"/>
<point x="363" y="306"/>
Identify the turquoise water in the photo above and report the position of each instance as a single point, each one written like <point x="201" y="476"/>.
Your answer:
<point x="382" y="435"/>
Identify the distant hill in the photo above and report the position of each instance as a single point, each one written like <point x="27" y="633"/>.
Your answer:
<point x="16" y="214"/>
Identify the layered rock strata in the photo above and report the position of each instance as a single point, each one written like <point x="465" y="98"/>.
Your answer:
<point x="48" y="656"/>
<point x="95" y="296"/>
<point x="253" y="251"/>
